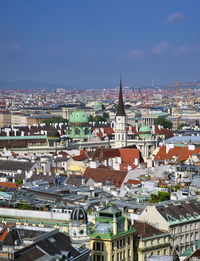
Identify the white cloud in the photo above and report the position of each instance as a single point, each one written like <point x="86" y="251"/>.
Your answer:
<point x="132" y="55"/>
<point x="188" y="49"/>
<point x="161" y="48"/>
<point x="175" y="17"/>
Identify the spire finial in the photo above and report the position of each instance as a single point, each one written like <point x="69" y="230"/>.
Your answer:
<point x="120" y="108"/>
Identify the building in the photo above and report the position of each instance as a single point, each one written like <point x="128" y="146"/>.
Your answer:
<point x="5" y="118"/>
<point x="120" y="126"/>
<point x="51" y="245"/>
<point x="180" y="218"/>
<point x="78" y="227"/>
<point x="150" y="241"/>
<point x="79" y="128"/>
<point x="111" y="237"/>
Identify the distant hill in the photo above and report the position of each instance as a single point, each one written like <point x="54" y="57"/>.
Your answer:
<point x="26" y="84"/>
<point x="22" y="85"/>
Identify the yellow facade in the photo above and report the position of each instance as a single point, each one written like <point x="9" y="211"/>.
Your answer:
<point x="153" y="246"/>
<point x="117" y="249"/>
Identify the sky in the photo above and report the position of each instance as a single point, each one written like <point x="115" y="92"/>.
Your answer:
<point x="88" y="43"/>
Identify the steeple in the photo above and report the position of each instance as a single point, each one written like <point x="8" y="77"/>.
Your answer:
<point x="120" y="108"/>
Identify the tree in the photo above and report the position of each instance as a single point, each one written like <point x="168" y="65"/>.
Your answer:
<point x="162" y="196"/>
<point x="106" y="115"/>
<point x="98" y="118"/>
<point x="91" y="118"/>
<point x="163" y="122"/>
<point x="180" y="126"/>
<point x="57" y="119"/>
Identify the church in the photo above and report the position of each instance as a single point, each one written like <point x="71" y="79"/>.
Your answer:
<point x="88" y="135"/>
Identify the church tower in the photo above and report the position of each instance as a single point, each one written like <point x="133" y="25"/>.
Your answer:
<point x="120" y="124"/>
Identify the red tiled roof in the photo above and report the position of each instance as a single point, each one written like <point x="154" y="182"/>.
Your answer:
<point x="134" y="181"/>
<point x="4" y="234"/>
<point x="80" y="157"/>
<point x="161" y="184"/>
<point x="6" y="186"/>
<point x="102" y="175"/>
<point x="181" y="153"/>
<point x="129" y="155"/>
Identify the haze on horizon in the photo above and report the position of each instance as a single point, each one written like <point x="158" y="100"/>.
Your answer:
<point x="90" y="42"/>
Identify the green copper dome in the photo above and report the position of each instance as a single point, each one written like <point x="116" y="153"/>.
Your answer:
<point x="144" y="132"/>
<point x="78" y="128"/>
<point x="78" y="117"/>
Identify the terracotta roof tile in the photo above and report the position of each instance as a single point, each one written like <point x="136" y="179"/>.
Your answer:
<point x="144" y="229"/>
<point x="80" y="157"/>
<point x="115" y="177"/>
<point x="134" y="181"/>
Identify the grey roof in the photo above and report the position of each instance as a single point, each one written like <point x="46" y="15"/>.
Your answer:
<point x="172" y="211"/>
<point x="13" y="165"/>
<point x="52" y="244"/>
<point x="184" y="139"/>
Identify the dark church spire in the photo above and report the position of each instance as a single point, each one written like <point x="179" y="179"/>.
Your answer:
<point x="120" y="108"/>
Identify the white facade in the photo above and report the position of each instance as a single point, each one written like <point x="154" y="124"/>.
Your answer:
<point x="120" y="132"/>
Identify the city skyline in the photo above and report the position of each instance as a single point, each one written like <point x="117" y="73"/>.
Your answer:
<point x="88" y="44"/>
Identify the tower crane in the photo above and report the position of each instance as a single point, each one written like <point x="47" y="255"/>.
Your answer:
<point x="189" y="92"/>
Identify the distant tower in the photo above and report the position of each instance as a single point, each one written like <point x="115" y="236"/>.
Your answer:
<point x="120" y="126"/>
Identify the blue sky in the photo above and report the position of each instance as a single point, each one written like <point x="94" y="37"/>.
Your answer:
<point x="90" y="42"/>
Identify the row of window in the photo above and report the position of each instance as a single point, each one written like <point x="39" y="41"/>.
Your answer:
<point x="153" y="242"/>
<point x="98" y="258"/>
<point x="184" y="228"/>
<point x="121" y="243"/>
<point x="77" y="131"/>
<point x="121" y="256"/>
<point x="155" y="253"/>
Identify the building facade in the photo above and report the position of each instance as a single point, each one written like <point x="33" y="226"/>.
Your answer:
<point x="111" y="237"/>
<point x="180" y="218"/>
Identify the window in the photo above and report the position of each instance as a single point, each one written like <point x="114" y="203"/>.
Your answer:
<point x="158" y="253"/>
<point x="186" y="228"/>
<point x="152" y="242"/>
<point x="165" y="252"/>
<point x="124" y="254"/>
<point x="145" y="243"/>
<point x="117" y="256"/>
<point x="77" y="131"/>
<point x="113" y="246"/>
<point x="158" y="240"/>
<point x="128" y="240"/>
<point x="98" y="246"/>
<point x="113" y="257"/>
<point x="118" y="244"/>
<point x="124" y="242"/>
<point x="128" y="252"/>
